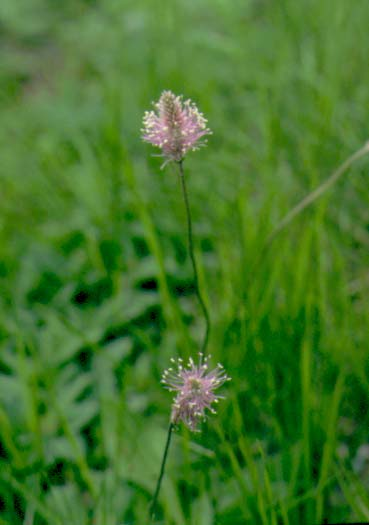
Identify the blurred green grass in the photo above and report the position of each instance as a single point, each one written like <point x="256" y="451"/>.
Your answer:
<point x="97" y="290"/>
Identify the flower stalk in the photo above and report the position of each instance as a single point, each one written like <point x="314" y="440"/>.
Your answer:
<point x="178" y="127"/>
<point x="192" y="256"/>
<point x="162" y="470"/>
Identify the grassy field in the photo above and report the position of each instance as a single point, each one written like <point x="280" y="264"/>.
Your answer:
<point x="96" y="286"/>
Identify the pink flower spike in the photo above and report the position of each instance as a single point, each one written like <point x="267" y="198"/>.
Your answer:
<point x="194" y="386"/>
<point x="175" y="128"/>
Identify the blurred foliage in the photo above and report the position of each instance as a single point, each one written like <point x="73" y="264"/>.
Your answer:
<point x="97" y="290"/>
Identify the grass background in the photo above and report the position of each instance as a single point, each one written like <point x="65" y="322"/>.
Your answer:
<point x="97" y="289"/>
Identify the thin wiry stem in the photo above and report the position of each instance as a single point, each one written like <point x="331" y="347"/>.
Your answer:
<point x="162" y="470"/>
<point x="207" y="329"/>
<point x="192" y="256"/>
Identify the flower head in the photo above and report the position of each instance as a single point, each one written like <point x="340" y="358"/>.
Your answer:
<point x="176" y="127"/>
<point x="194" y="386"/>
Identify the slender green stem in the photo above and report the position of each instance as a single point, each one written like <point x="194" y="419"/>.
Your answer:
<point x="162" y="470"/>
<point x="192" y="256"/>
<point x="207" y="329"/>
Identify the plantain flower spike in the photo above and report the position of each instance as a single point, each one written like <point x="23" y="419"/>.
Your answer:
<point x="176" y="127"/>
<point x="194" y="385"/>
